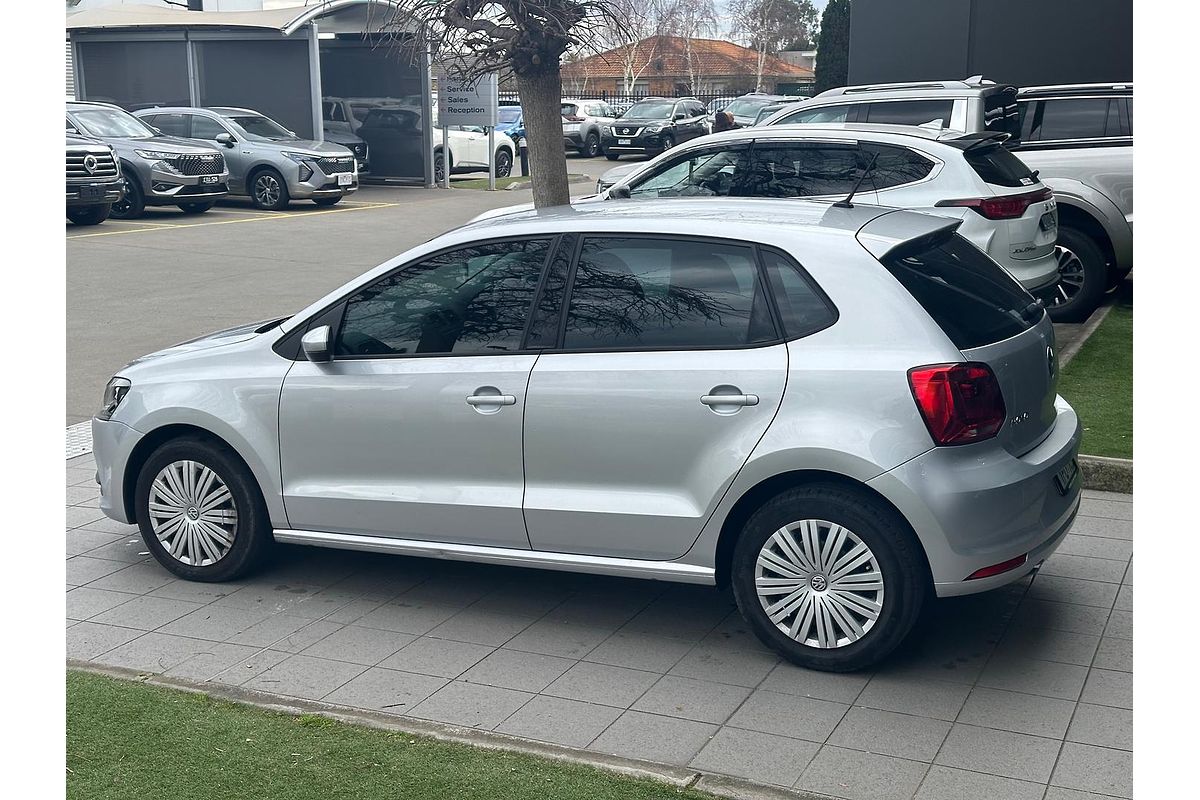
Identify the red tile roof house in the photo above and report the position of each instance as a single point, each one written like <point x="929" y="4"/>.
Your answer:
<point x="673" y="65"/>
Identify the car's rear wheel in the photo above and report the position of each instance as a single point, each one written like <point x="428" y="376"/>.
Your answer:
<point x="89" y="215"/>
<point x="196" y="208"/>
<point x="200" y="511"/>
<point x="829" y="577"/>
<point x="325" y="202"/>
<point x="269" y="191"/>
<point x="591" y="146"/>
<point x="504" y="163"/>
<point x="439" y="167"/>
<point x="1082" y="277"/>
<point x="132" y="204"/>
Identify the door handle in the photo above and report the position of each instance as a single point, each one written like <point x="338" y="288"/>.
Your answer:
<point x="730" y="399"/>
<point x="495" y="400"/>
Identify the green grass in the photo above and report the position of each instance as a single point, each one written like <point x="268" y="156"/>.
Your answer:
<point x="482" y="183"/>
<point x="131" y="740"/>
<point x="1099" y="384"/>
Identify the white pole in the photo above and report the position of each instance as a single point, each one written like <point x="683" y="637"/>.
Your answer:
<point x="492" y="158"/>
<point x="445" y="156"/>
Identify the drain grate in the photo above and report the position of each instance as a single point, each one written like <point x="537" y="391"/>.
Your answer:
<point x="79" y="439"/>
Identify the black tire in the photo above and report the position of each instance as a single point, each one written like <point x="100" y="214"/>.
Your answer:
<point x="1083" y="277"/>
<point x="439" y="168"/>
<point x="504" y="163"/>
<point x="898" y="554"/>
<point x="591" y="146"/>
<point x="268" y="190"/>
<point x="252" y="537"/>
<point x="89" y="215"/>
<point x="196" y="208"/>
<point x="668" y="141"/>
<point x="325" y="202"/>
<point x="133" y="204"/>
<point x="612" y="156"/>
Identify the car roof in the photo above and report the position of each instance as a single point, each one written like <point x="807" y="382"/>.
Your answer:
<point x="971" y="87"/>
<point x="1075" y="89"/>
<point x="829" y="130"/>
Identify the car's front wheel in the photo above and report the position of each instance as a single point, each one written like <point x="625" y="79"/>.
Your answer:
<point x="504" y="163"/>
<point x="591" y="146"/>
<point x="829" y="577"/>
<point x="89" y="215"/>
<point x="1082" y="277"/>
<point x="132" y="203"/>
<point x="200" y="511"/>
<point x="269" y="191"/>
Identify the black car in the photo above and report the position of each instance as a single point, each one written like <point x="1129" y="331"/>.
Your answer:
<point x="653" y="125"/>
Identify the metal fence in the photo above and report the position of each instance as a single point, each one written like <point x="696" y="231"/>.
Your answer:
<point x="621" y="100"/>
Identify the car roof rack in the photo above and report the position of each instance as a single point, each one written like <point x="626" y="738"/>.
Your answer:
<point x="973" y="82"/>
<point x="1077" y="88"/>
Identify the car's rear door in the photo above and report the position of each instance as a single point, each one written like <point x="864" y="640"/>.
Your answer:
<point x="650" y="395"/>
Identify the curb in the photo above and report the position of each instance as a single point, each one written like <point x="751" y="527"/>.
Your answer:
<point x="1089" y="327"/>
<point x="1107" y="474"/>
<point x="577" y="178"/>
<point x="679" y="777"/>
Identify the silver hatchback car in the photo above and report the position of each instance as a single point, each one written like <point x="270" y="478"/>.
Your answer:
<point x="837" y="411"/>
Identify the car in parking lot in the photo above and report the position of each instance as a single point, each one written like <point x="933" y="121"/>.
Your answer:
<point x="745" y="109"/>
<point x="267" y="162"/>
<point x="838" y="411"/>
<point x="584" y="119"/>
<point x="158" y="170"/>
<point x="94" y="180"/>
<point x="653" y="125"/>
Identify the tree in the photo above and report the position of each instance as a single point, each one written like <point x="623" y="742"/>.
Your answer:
<point x="635" y="31"/>
<point x="833" y="46"/>
<point x="526" y="37"/>
<point x="769" y="26"/>
<point x="690" y="21"/>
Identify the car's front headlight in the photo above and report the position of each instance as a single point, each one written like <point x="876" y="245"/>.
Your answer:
<point x="606" y="130"/>
<point x="654" y="129"/>
<point x="114" y="393"/>
<point x="305" y="162"/>
<point x="156" y="155"/>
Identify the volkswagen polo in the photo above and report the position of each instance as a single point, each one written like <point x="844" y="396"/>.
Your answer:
<point x="838" y="411"/>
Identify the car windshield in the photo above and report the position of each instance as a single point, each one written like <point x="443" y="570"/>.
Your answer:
<point x="650" y="109"/>
<point x="111" y="122"/>
<point x="745" y="108"/>
<point x="509" y="114"/>
<point x="258" y="128"/>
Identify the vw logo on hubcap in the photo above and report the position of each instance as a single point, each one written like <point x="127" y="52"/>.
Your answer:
<point x="193" y="513"/>
<point x="818" y="583"/>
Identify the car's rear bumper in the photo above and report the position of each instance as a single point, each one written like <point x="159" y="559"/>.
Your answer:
<point x="977" y="505"/>
<point x="112" y="444"/>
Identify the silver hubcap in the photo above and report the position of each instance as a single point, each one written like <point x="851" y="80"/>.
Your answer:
<point x="266" y="190"/>
<point x="1070" y="277"/>
<point x="819" y="583"/>
<point x="192" y="513"/>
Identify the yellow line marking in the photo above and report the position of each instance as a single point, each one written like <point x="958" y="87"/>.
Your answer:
<point x="271" y="217"/>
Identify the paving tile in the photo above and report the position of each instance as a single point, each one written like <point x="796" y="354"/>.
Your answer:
<point x="129" y="550"/>
<point x="524" y="599"/>
<point x="668" y="740"/>
<point x="889" y="733"/>
<point x="947" y="783"/>
<point x="106" y="525"/>
<point x="680" y="620"/>
<point x="1059" y="793"/>
<point x="82" y="541"/>
<point x="217" y="624"/>
<point x="1103" y="527"/>
<point x="246" y="667"/>
<point x="387" y="690"/>
<point x="1114" y="654"/>
<point x="1049" y="645"/>
<point x="1124" y="600"/>
<point x="1033" y="676"/>
<point x="471" y="705"/>
<point x="1097" y="547"/>
<point x="78" y="516"/>
<point x="724" y="662"/>
<point x="1061" y="617"/>
<point x="136" y="578"/>
<point x="153" y="652"/>
<point x="788" y="715"/>
<point x="146" y="613"/>
<point x="1092" y="569"/>
<point x="212" y="658"/>
<point x="1010" y="755"/>
<point x="411" y="618"/>
<point x="1017" y="712"/>
<point x="642" y="651"/>
<point x="688" y="698"/>
<point x="560" y="721"/>
<point x="756" y="756"/>
<point x="87" y="640"/>
<point x="82" y="493"/>
<point x="1106" y="508"/>
<point x="284" y="632"/>
<point x="563" y="639"/>
<point x="513" y="669"/>
<point x="85" y="602"/>
<point x="1120" y="624"/>
<point x="1058" y="589"/>
<point x="599" y="610"/>
<point x="480" y="626"/>
<point x="1103" y="726"/>
<point x="270" y="597"/>
<point x="1094" y="769"/>
<point x="304" y="676"/>
<point x="855" y="775"/>
<point x="1100" y="494"/>
<point x="447" y="590"/>
<point x="1106" y="687"/>
<point x="353" y="610"/>
<point x="194" y="591"/>
<point x="839" y="687"/>
<point x="438" y="657"/>
<point x="602" y="683"/>
<point x="83" y="570"/>
<point x="911" y="694"/>
<point x="359" y="645"/>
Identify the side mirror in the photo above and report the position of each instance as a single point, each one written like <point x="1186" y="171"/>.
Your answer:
<point x="72" y="130"/>
<point x="315" y="344"/>
<point x="620" y="192"/>
<point x="677" y="117"/>
<point x="226" y="139"/>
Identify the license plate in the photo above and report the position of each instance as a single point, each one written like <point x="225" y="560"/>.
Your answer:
<point x="624" y="141"/>
<point x="345" y="179"/>
<point x="91" y="192"/>
<point x="1066" y="476"/>
<point x="1048" y="222"/>
<point x="209" y="179"/>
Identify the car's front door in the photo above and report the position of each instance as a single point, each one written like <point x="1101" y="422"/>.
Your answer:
<point x="414" y="429"/>
<point x="237" y="158"/>
<point x="809" y="169"/>
<point x="715" y="171"/>
<point x="664" y="375"/>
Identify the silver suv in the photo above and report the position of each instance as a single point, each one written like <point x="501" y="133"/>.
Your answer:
<point x="159" y="170"/>
<point x="267" y="162"/>
<point x="838" y="411"/>
<point x="581" y="124"/>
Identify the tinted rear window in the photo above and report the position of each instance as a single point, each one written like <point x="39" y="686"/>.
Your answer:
<point x="967" y="294"/>
<point x="911" y="112"/>
<point x="997" y="166"/>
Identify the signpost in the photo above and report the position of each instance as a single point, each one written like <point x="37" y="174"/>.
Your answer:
<point x="468" y="103"/>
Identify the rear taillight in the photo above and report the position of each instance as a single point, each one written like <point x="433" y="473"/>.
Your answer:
<point x="961" y="403"/>
<point x="574" y="118"/>
<point x="1009" y="206"/>
<point x="997" y="569"/>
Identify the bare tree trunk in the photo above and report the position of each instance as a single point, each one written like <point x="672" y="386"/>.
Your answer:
<point x="541" y="96"/>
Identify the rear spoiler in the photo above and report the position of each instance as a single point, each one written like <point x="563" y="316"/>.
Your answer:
<point x="899" y="232"/>
<point x="969" y="141"/>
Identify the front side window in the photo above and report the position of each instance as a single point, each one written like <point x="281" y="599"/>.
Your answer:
<point x="206" y="128"/>
<point x="803" y="169"/>
<point x="815" y="116"/>
<point x="258" y="128"/>
<point x="170" y="124"/>
<point x="470" y="301"/>
<point x="712" y="173"/>
<point x="911" y="112"/>
<point x="650" y="293"/>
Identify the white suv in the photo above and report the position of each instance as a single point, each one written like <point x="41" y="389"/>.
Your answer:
<point x="1005" y="210"/>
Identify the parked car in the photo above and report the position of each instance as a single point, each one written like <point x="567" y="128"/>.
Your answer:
<point x="653" y="125"/>
<point x="1004" y="210"/>
<point x="1079" y="138"/>
<point x="355" y="144"/>
<point x="584" y="120"/>
<point x="717" y="104"/>
<point x="768" y="111"/>
<point x="158" y="170"/>
<point x="469" y="151"/>
<point x="838" y="411"/>
<point x="744" y="109"/>
<point x="267" y="162"/>
<point x="509" y="118"/>
<point x="94" y="180"/>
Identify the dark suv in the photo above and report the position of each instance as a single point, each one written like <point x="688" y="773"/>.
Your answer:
<point x="653" y="125"/>
<point x="94" y="180"/>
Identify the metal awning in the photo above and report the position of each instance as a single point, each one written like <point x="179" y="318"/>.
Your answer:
<point x="283" y="20"/>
